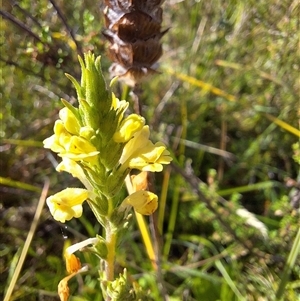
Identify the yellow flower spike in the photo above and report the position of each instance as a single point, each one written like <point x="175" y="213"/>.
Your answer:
<point x="129" y="126"/>
<point x="143" y="202"/>
<point x="69" y="120"/>
<point x="67" y="203"/>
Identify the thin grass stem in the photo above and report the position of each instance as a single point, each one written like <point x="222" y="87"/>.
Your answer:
<point x="175" y="203"/>
<point x="27" y="243"/>
<point x="163" y="200"/>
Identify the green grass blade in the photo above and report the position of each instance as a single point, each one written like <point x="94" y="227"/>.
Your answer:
<point x="288" y="266"/>
<point x="17" y="184"/>
<point x="229" y="281"/>
<point x="176" y="195"/>
<point x="247" y="188"/>
<point x="31" y="143"/>
<point x="163" y="199"/>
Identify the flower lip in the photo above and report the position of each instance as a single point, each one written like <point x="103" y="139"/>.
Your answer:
<point x="67" y="203"/>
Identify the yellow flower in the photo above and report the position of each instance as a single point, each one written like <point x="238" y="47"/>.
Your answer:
<point x="129" y="126"/>
<point x="151" y="158"/>
<point x="67" y="203"/>
<point x="68" y="145"/>
<point x="79" y="148"/>
<point x="139" y="140"/>
<point x="57" y="142"/>
<point x="140" y="153"/>
<point x="69" y="120"/>
<point x="143" y="202"/>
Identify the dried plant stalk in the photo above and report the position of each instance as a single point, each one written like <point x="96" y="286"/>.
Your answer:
<point x="133" y="28"/>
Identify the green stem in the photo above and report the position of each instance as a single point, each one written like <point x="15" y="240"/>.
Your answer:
<point x="111" y="239"/>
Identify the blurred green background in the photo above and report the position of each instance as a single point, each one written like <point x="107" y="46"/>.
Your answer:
<point x="227" y="104"/>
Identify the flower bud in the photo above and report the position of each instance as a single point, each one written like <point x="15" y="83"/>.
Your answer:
<point x="129" y="126"/>
<point x="69" y="120"/>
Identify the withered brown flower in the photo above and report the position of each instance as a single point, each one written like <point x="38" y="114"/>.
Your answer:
<point x="133" y="28"/>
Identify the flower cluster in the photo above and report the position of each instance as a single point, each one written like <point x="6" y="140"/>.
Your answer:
<point x="100" y="146"/>
<point x="70" y="140"/>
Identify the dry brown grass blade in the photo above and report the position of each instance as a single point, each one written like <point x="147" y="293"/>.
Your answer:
<point x="28" y="241"/>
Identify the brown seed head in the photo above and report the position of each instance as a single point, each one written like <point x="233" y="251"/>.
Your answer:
<point x="134" y="33"/>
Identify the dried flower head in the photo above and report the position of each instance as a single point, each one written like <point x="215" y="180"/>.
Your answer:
<point x="134" y="33"/>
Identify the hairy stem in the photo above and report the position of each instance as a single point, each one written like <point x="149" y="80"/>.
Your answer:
<point x="111" y="238"/>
